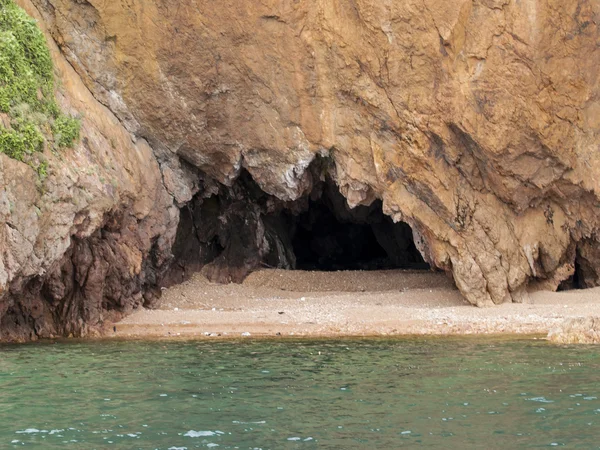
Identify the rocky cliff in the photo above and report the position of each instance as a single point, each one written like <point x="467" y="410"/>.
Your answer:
<point x="476" y="122"/>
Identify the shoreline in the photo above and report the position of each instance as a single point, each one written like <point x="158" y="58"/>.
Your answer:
<point x="494" y="338"/>
<point x="107" y="336"/>
<point x="337" y="305"/>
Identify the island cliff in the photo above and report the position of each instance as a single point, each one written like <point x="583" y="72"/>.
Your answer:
<point x="206" y="128"/>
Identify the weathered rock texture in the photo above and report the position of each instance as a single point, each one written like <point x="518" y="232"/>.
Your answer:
<point x="584" y="330"/>
<point x="477" y="122"/>
<point x="84" y="243"/>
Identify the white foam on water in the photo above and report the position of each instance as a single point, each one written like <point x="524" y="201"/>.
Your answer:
<point x="294" y="439"/>
<point x="247" y="423"/>
<point x="31" y="431"/>
<point x="212" y="444"/>
<point x="406" y="432"/>
<point x="539" y="399"/>
<point x="163" y="395"/>
<point x="194" y="434"/>
<point x="178" y="448"/>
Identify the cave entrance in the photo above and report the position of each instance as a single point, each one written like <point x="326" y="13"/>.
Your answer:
<point x="229" y="234"/>
<point x="329" y="236"/>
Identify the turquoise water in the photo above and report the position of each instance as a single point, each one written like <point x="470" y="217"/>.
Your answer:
<point x="377" y="394"/>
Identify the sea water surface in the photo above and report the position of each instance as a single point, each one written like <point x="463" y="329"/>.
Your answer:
<point x="378" y="394"/>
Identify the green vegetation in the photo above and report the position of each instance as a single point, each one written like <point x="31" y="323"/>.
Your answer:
<point x="66" y="130"/>
<point x="31" y="114"/>
<point x="42" y="170"/>
<point x="24" y="139"/>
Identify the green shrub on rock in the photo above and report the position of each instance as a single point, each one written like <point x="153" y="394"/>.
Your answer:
<point x="27" y="89"/>
<point x="66" y="130"/>
<point x="12" y="144"/>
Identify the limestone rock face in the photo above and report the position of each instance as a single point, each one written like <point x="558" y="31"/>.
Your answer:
<point x="477" y="122"/>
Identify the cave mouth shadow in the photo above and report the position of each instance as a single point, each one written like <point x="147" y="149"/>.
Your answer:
<point x="329" y="236"/>
<point x="229" y="234"/>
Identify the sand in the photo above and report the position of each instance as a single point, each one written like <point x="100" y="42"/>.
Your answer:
<point x="278" y="303"/>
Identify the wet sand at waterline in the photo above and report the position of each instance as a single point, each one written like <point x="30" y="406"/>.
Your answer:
<point x="354" y="303"/>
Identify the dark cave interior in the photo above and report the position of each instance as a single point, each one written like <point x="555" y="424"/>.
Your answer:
<point x="583" y="272"/>
<point x="229" y="235"/>
<point x="330" y="236"/>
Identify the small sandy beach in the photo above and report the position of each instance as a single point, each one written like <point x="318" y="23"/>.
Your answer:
<point x="336" y="304"/>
